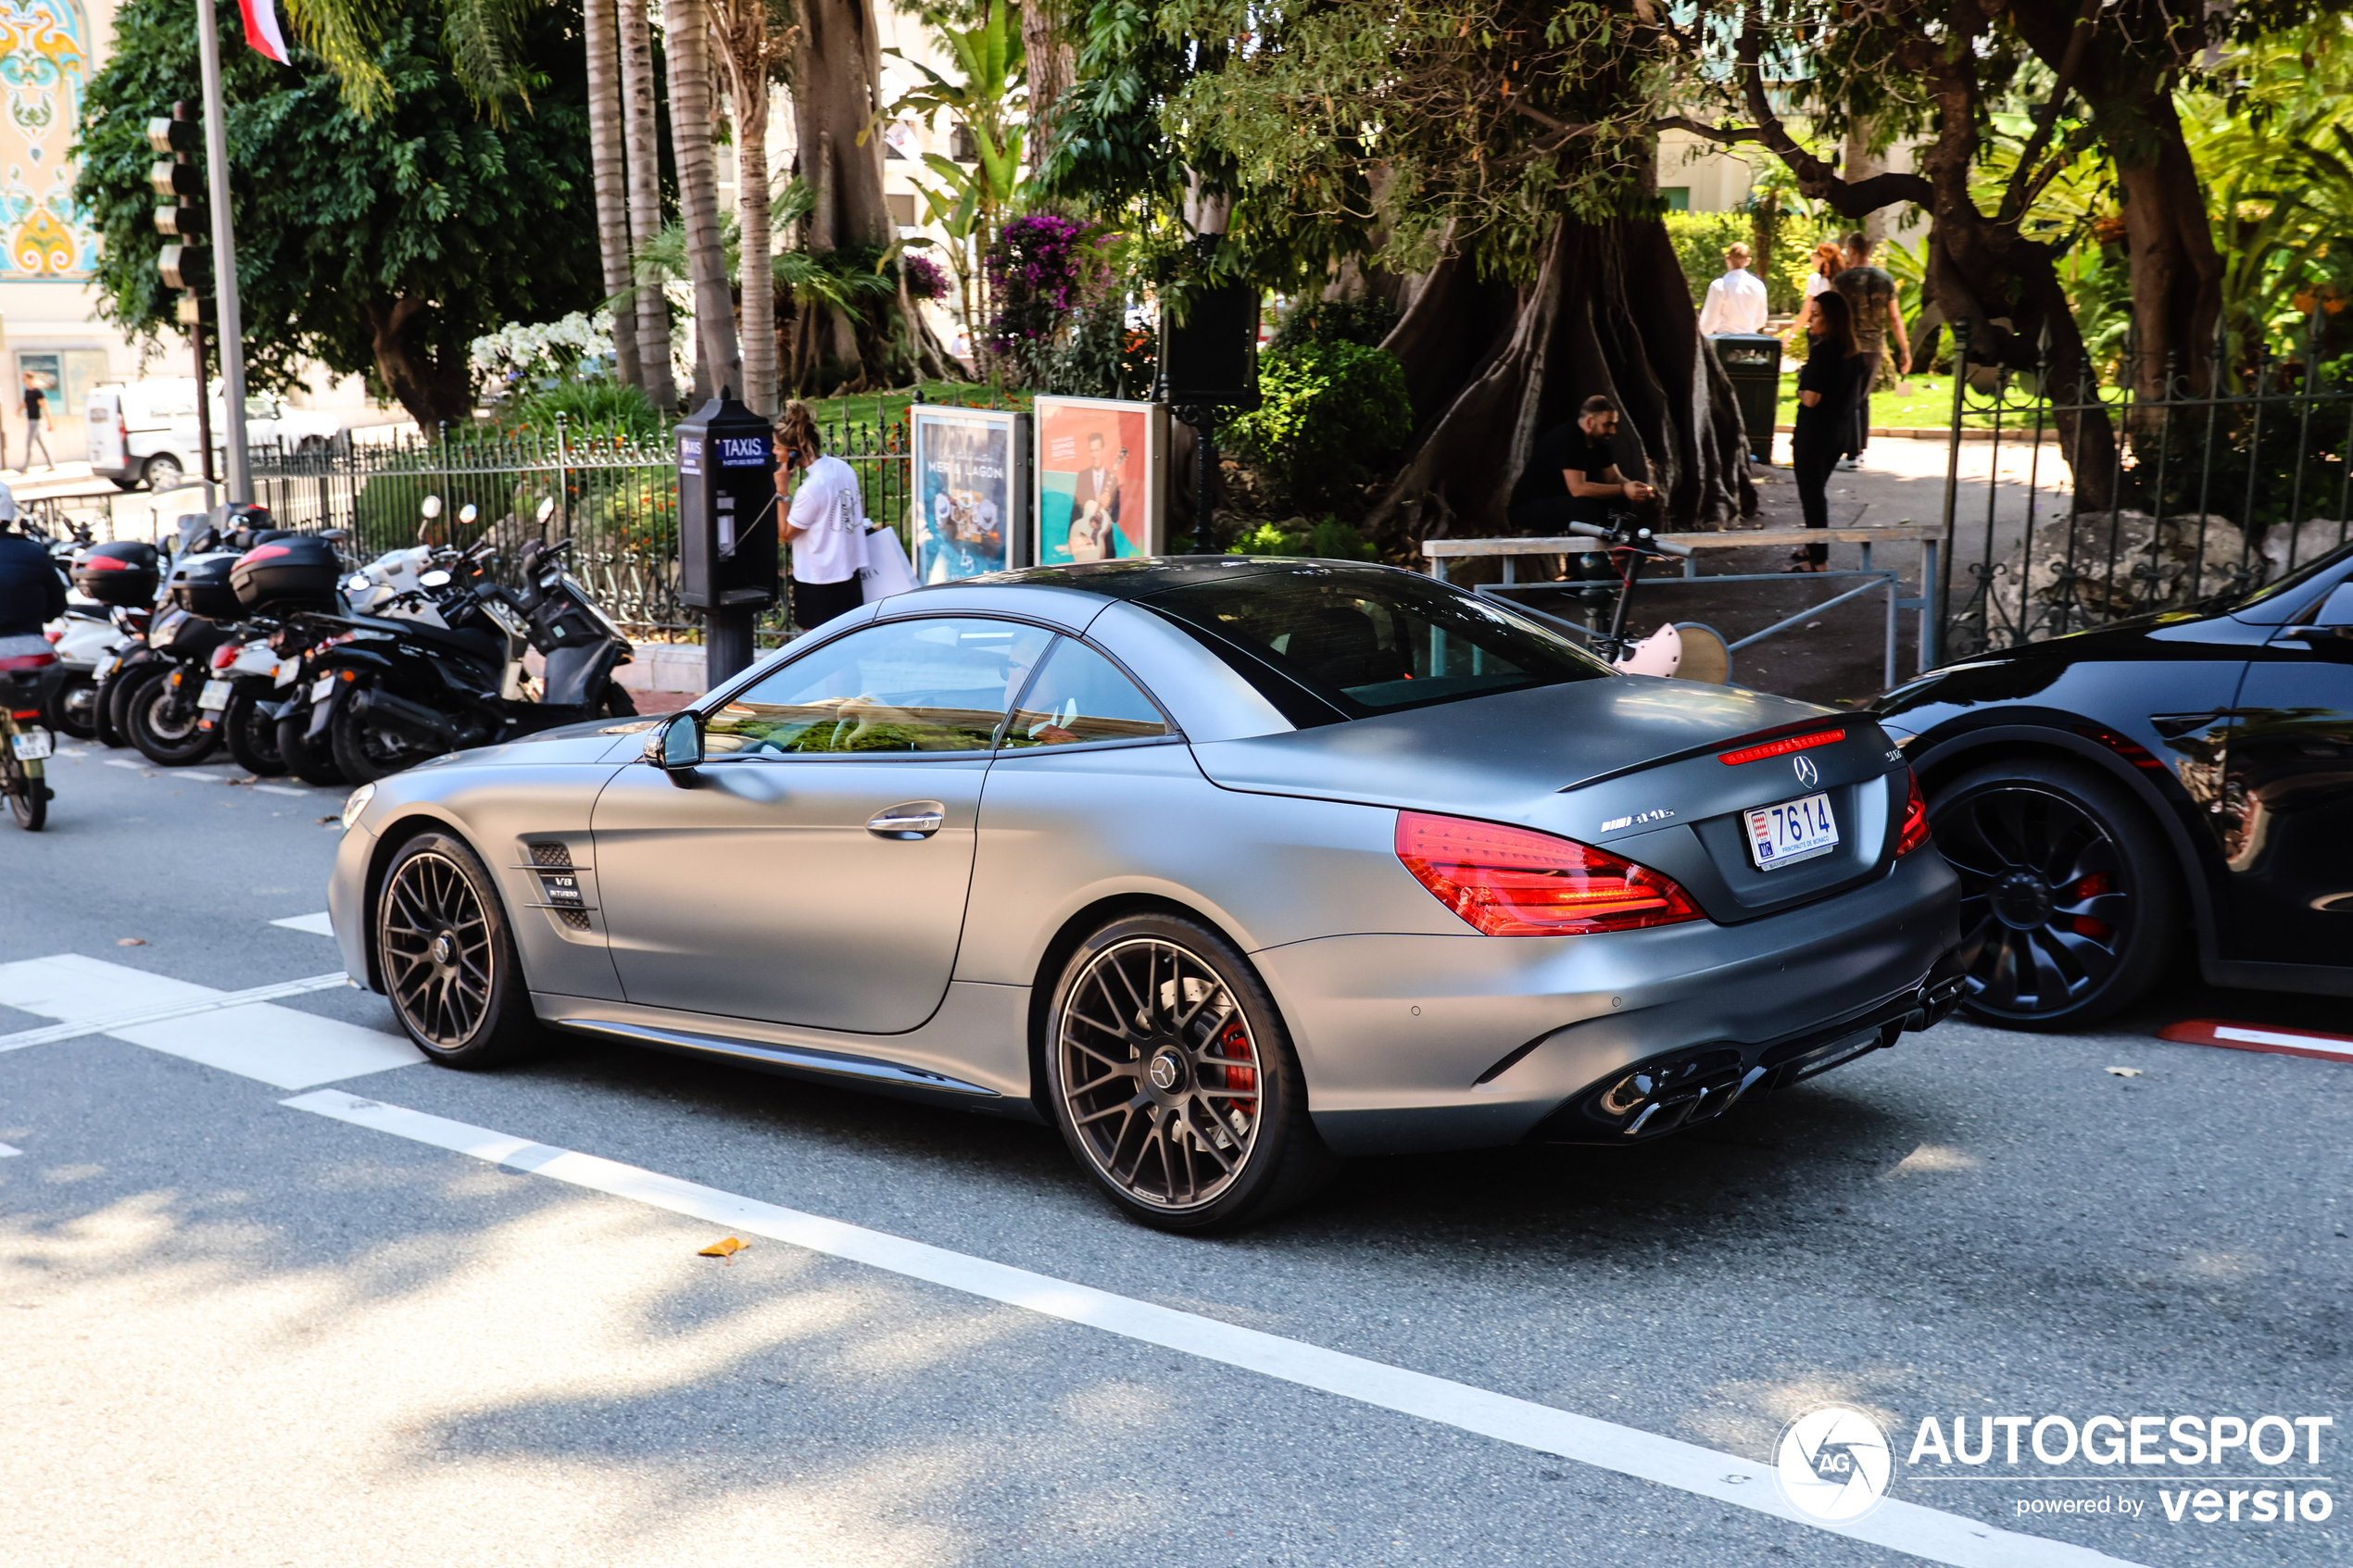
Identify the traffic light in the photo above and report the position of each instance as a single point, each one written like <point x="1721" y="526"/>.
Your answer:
<point x="180" y="214"/>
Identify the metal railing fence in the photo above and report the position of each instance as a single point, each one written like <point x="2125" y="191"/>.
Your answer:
<point x="2136" y="503"/>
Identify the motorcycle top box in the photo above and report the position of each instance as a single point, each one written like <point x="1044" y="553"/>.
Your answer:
<point x="200" y="586"/>
<point x="289" y="571"/>
<point x="124" y="573"/>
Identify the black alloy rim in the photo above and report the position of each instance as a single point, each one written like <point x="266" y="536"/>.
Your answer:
<point x="435" y="943"/>
<point x="2047" y="909"/>
<point x="1160" y="1074"/>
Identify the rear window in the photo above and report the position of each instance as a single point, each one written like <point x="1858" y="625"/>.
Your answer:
<point x="1362" y="641"/>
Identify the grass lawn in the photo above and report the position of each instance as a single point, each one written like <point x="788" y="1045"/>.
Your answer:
<point x="1930" y="406"/>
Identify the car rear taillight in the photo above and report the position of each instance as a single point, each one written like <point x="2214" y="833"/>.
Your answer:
<point x="1914" y="829"/>
<point x="1781" y="747"/>
<point x="224" y="655"/>
<point x="1515" y="882"/>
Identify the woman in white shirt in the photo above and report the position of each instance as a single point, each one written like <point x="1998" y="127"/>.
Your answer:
<point x="826" y="524"/>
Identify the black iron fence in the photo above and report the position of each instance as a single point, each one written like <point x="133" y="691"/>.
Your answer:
<point x="2115" y="503"/>
<point x="616" y="496"/>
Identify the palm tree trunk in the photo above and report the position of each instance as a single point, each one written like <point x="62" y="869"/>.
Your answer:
<point x="744" y="46"/>
<point x="644" y="140"/>
<point x="686" y="53"/>
<point x="610" y="179"/>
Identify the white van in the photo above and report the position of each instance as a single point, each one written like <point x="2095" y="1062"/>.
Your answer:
<point x="145" y="432"/>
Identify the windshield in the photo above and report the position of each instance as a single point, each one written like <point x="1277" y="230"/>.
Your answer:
<point x="1355" y="643"/>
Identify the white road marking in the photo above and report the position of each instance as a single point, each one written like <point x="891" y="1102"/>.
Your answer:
<point x="125" y="762"/>
<point x="236" y="1031"/>
<point x="1725" y="1478"/>
<point x="2296" y="1042"/>
<point x="202" y="776"/>
<point x="8" y="1149"/>
<point x="281" y="789"/>
<point x="318" y="925"/>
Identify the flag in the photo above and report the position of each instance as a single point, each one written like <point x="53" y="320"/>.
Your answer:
<point x="262" y="28"/>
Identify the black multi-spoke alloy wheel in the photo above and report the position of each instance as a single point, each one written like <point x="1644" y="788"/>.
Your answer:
<point x="447" y="958"/>
<point x="252" y="734"/>
<point x="1174" y="1081"/>
<point x="163" y="721"/>
<point x="2070" y="903"/>
<point x="311" y="764"/>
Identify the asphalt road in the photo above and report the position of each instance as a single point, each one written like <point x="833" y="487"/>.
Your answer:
<point x="244" y="1331"/>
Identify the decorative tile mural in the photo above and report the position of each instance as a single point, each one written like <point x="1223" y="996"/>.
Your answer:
<point x="44" y="63"/>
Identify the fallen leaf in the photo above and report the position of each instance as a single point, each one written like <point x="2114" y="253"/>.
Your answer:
<point x="330" y="822"/>
<point x="727" y="1248"/>
<point x="2126" y="1072"/>
<point x="130" y="941"/>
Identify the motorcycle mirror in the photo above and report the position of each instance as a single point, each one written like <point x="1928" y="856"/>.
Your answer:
<point x="467" y="512"/>
<point x="336" y="534"/>
<point x="676" y="747"/>
<point x="432" y="507"/>
<point x="357" y="582"/>
<point x="436" y="578"/>
<point x="546" y="510"/>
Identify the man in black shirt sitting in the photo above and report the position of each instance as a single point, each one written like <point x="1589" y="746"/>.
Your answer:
<point x="1572" y="474"/>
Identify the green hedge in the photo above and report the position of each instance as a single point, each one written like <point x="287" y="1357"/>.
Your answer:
<point x="1701" y="238"/>
<point x="1333" y="414"/>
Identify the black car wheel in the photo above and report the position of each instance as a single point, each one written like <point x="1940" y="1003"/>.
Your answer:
<point x="163" y="721"/>
<point x="448" y="958"/>
<point x="1174" y="1082"/>
<point x="2070" y="903"/>
<point x="252" y="734"/>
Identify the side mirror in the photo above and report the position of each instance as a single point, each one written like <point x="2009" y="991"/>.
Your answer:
<point x="467" y="512"/>
<point x="546" y="510"/>
<point x="433" y="506"/>
<point x="676" y="747"/>
<point x="436" y="578"/>
<point x="337" y="534"/>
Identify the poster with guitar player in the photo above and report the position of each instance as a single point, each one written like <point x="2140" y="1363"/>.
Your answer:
<point x="1101" y="476"/>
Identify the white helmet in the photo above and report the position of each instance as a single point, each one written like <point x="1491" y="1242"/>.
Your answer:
<point x="7" y="504"/>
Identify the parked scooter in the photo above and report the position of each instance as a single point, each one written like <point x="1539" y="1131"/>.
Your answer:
<point x="387" y="692"/>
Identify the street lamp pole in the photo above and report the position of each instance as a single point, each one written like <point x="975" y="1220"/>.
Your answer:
<point x="238" y="472"/>
<point x="1207" y="213"/>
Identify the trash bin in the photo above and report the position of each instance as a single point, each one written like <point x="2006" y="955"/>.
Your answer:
<point x="1752" y="362"/>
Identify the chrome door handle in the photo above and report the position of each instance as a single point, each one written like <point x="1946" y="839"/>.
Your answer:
<point x="916" y="819"/>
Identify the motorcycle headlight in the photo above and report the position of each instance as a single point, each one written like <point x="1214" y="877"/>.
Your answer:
<point x="357" y="802"/>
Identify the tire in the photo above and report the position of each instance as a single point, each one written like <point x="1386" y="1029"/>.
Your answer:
<point x="618" y="703"/>
<point x="1146" y="1017"/>
<point x="364" y="752"/>
<point x="161" y="472"/>
<point x="115" y="700"/>
<point x="2071" y="902"/>
<point x="73" y="708"/>
<point x="124" y="484"/>
<point x="27" y="792"/>
<point x="311" y="766"/>
<point x="163" y="722"/>
<point x="447" y="957"/>
<point x="252" y="737"/>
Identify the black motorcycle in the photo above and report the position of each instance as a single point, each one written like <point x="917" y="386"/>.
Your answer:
<point x="384" y="693"/>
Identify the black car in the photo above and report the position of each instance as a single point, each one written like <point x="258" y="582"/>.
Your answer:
<point x="2109" y="797"/>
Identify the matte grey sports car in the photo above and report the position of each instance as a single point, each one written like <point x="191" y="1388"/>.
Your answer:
<point x="1228" y="867"/>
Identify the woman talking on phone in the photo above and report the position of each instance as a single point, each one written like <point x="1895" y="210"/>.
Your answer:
<point x="826" y="523"/>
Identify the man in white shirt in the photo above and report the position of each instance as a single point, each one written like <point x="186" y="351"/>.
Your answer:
<point x="1735" y="301"/>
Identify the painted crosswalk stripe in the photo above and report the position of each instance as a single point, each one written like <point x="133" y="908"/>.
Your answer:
<point x="1724" y="1478"/>
<point x="317" y="925"/>
<point x="237" y="1032"/>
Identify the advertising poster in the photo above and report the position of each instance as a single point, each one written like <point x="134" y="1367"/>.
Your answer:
<point x="971" y="494"/>
<point x="1099" y="479"/>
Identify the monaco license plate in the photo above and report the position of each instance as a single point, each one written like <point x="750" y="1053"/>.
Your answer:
<point x="31" y="745"/>
<point x="320" y="687"/>
<point x="1793" y="831"/>
<point x="215" y="695"/>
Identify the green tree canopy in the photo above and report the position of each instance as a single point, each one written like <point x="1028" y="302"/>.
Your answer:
<point x="382" y="245"/>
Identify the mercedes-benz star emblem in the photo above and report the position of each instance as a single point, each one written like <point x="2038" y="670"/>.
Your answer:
<point x="1164" y="1071"/>
<point x="1808" y="775"/>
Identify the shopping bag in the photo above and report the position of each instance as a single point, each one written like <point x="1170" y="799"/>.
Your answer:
<point x="886" y="570"/>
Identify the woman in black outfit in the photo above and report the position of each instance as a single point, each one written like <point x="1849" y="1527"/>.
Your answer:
<point x="1826" y="389"/>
